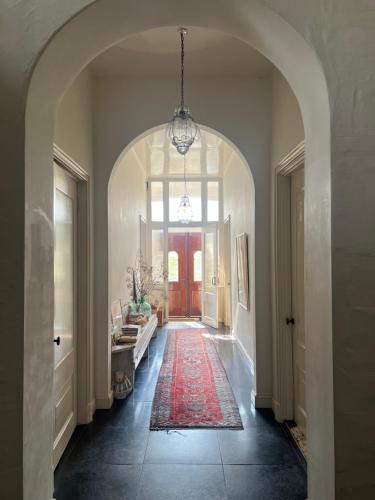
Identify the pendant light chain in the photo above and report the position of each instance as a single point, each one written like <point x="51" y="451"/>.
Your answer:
<point x="185" y="175"/>
<point x="183" y="131"/>
<point x="185" y="210"/>
<point x="182" y="35"/>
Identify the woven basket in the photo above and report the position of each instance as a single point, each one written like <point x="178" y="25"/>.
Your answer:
<point x="122" y="386"/>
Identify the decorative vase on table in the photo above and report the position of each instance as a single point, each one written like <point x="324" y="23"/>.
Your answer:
<point x="144" y="307"/>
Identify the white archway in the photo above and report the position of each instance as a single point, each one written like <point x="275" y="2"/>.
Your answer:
<point x="96" y="28"/>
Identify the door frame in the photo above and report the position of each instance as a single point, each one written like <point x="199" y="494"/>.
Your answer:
<point x="227" y="237"/>
<point x="84" y="340"/>
<point x="209" y="227"/>
<point x="283" y="388"/>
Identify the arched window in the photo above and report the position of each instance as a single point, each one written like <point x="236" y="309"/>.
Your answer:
<point x="198" y="265"/>
<point x="172" y="267"/>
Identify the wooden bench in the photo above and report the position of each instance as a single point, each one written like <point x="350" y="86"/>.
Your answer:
<point x="126" y="357"/>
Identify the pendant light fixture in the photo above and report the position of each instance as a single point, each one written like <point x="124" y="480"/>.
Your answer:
<point x="185" y="211"/>
<point x="182" y="130"/>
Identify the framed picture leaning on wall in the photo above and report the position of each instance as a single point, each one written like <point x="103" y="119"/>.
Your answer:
<point x="242" y="270"/>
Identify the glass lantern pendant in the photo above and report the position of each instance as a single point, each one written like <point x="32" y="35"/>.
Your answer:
<point x="182" y="130"/>
<point x="185" y="212"/>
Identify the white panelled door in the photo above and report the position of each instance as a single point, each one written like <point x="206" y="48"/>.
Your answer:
<point x="65" y="392"/>
<point x="210" y="273"/>
<point x="298" y="304"/>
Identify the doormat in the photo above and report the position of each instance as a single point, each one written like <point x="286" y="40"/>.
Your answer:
<point x="298" y="437"/>
<point x="193" y="389"/>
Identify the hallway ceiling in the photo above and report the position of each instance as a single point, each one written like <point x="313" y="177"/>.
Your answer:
<point x="156" y="52"/>
<point x="207" y="157"/>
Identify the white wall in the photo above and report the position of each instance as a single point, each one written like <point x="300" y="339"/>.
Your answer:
<point x="74" y="135"/>
<point x="287" y="125"/>
<point x="239" y="204"/>
<point x="287" y="133"/>
<point x="127" y="201"/>
<point x="74" y="122"/>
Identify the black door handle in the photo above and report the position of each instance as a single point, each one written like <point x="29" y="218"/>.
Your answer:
<point x="290" y="321"/>
<point x="57" y="340"/>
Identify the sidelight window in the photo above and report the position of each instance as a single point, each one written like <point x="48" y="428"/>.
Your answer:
<point x="172" y="267"/>
<point x="197" y="260"/>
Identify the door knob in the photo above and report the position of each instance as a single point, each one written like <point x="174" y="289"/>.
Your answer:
<point x="57" y="340"/>
<point x="290" y="321"/>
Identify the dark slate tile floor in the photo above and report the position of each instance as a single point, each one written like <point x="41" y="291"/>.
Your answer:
<point x="116" y="457"/>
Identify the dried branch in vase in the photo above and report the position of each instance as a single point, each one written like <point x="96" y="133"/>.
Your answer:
<point x="142" y="279"/>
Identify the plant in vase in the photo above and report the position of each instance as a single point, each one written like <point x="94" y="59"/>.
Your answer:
<point x="142" y="279"/>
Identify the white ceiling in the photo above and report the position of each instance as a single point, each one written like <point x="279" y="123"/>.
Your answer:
<point x="156" y="52"/>
<point x="207" y="157"/>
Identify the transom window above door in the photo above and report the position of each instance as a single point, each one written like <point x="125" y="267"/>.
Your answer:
<point x="194" y="190"/>
<point x="165" y="198"/>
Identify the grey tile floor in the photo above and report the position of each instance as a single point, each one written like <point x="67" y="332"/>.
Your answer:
<point x="117" y="457"/>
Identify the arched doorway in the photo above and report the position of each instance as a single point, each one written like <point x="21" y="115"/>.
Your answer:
<point x="291" y="54"/>
<point x="150" y="161"/>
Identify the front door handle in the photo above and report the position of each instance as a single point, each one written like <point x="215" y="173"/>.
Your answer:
<point x="290" y="321"/>
<point x="57" y="340"/>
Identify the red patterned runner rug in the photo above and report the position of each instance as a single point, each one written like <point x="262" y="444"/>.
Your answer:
<point x="192" y="389"/>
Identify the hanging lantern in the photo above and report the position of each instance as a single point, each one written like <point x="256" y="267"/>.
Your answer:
<point x="185" y="210"/>
<point x="182" y="130"/>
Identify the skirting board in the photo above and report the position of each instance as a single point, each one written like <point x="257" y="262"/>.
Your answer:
<point x="245" y="355"/>
<point x="87" y="417"/>
<point x="261" y="401"/>
<point x="92" y="408"/>
<point x="276" y="410"/>
<point x="104" y="403"/>
<point x="257" y="400"/>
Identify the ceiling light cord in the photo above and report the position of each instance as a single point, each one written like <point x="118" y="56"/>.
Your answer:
<point x="185" y="175"/>
<point x="182" y="35"/>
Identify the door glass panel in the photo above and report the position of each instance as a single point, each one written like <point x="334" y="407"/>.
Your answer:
<point x="212" y="201"/>
<point x="176" y="190"/>
<point x="172" y="267"/>
<point x="197" y="265"/>
<point x="64" y="275"/>
<point x="157" y="243"/>
<point x="157" y="205"/>
<point x="209" y="262"/>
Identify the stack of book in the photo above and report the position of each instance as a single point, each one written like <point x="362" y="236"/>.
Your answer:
<point x="129" y="334"/>
<point x="136" y="319"/>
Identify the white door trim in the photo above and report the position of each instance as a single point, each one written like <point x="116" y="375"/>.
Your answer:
<point x="283" y="391"/>
<point x="85" y="347"/>
<point x="227" y="231"/>
<point x="206" y="319"/>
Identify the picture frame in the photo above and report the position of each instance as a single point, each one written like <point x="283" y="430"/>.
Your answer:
<point x="242" y="257"/>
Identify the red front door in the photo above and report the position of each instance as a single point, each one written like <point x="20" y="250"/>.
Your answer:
<point x="184" y="274"/>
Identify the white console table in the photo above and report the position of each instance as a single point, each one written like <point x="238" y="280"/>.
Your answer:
<point x="126" y="357"/>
